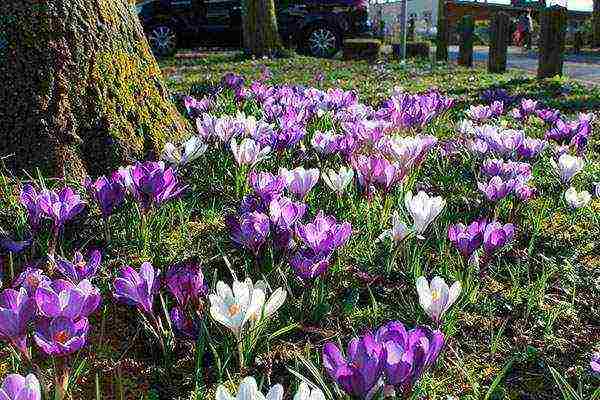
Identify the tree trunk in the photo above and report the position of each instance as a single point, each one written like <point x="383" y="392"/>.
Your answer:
<point x="596" y="24"/>
<point x="81" y="91"/>
<point x="259" y="19"/>
<point x="441" y="50"/>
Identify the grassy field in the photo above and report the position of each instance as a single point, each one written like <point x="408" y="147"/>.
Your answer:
<point x="531" y="308"/>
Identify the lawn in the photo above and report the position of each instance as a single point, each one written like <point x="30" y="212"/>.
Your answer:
<point x="347" y="244"/>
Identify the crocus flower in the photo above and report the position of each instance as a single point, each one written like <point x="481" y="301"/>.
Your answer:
<point x="249" y="230"/>
<point x="206" y="126"/>
<point x="183" y="325"/>
<point x="266" y="185"/>
<point x="325" y="142"/>
<point x="138" y="289"/>
<point x="308" y="265"/>
<point x="14" y="246"/>
<point x="409" y="353"/>
<point x="17" y="387"/>
<point x="399" y="231"/>
<point x="577" y="199"/>
<point x="30" y="199"/>
<point x="423" y="209"/>
<point x="108" y="193"/>
<point x="30" y="279"/>
<point x="528" y="106"/>
<point x="186" y="283"/>
<point x="306" y="393"/>
<point x="80" y="269"/>
<point x="359" y="372"/>
<point x="338" y="181"/>
<point x="63" y="299"/>
<point x="597" y="188"/>
<point x="151" y="183"/>
<point x="17" y="309"/>
<point x="196" y="107"/>
<point x="242" y="303"/>
<point x="190" y="150"/>
<point x="568" y="166"/>
<point x="324" y="234"/>
<point x="496" y="236"/>
<point x="467" y="239"/>
<point x="248" y="152"/>
<point x="300" y="181"/>
<point x="60" y="207"/>
<point x="286" y="213"/>
<point x="61" y="336"/>
<point x="248" y="390"/>
<point x="437" y="298"/>
<point x="496" y="189"/>
<point x="479" y="113"/>
<point x="531" y="148"/>
<point x="595" y="364"/>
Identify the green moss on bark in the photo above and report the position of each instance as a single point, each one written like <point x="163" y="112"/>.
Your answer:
<point x="83" y="93"/>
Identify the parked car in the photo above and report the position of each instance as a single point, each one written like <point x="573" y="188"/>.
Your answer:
<point x="316" y="27"/>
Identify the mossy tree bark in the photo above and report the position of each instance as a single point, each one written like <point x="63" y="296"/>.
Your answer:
<point x="259" y="20"/>
<point x="596" y="24"/>
<point x="81" y="91"/>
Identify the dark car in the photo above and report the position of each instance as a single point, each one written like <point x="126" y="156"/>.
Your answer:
<point x="316" y="27"/>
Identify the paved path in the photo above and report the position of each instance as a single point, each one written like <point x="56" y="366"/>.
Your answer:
<point x="583" y="68"/>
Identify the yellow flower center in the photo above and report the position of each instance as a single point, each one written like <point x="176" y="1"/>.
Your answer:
<point x="233" y="310"/>
<point x="435" y="295"/>
<point x="61" y="337"/>
<point x="81" y="264"/>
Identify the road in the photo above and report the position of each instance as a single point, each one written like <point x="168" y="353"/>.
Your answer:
<point x="583" y="68"/>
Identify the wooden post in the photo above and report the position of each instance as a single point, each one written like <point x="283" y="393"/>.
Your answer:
<point x="441" y="49"/>
<point x="499" y="38"/>
<point x="596" y="24"/>
<point x="466" y="29"/>
<point x="553" y="23"/>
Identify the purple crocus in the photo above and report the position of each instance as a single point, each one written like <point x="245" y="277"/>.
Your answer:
<point x="30" y="279"/>
<point x="138" y="289"/>
<point x="496" y="236"/>
<point x="17" y="309"/>
<point x="308" y="265"/>
<point x="409" y="353"/>
<point x="150" y="183"/>
<point x="61" y="298"/>
<point x="17" y="387"/>
<point x="80" y="269"/>
<point x="249" y="230"/>
<point x="324" y="234"/>
<point x="496" y="189"/>
<point x="595" y="364"/>
<point x="528" y="106"/>
<point x="60" y="207"/>
<point x="29" y="198"/>
<point x="285" y="213"/>
<point x="359" y="372"/>
<point x="14" y="246"/>
<point x="300" y="181"/>
<point x="195" y="107"/>
<point x="467" y="239"/>
<point x="531" y="148"/>
<point x="61" y="336"/>
<point x="266" y="185"/>
<point x="184" y="326"/>
<point x="186" y="283"/>
<point x="108" y="193"/>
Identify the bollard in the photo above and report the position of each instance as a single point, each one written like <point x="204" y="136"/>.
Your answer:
<point x="499" y="38"/>
<point x="553" y="23"/>
<point x="465" y="50"/>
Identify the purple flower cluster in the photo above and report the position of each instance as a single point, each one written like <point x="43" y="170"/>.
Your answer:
<point x="59" y="308"/>
<point x="108" y="192"/>
<point x="392" y="355"/>
<point x="468" y="239"/>
<point x="482" y="113"/>
<point x="186" y="284"/>
<point x="59" y="207"/>
<point x="574" y="133"/>
<point x="196" y="108"/>
<point x="506" y="177"/>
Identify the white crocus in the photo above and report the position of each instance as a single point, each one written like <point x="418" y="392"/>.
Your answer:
<point x="577" y="199"/>
<point x="248" y="151"/>
<point x="248" y="390"/>
<point x="191" y="149"/>
<point x="597" y="189"/>
<point x="436" y="298"/>
<point x="305" y="393"/>
<point x="568" y="166"/>
<point x="338" y="181"/>
<point x="300" y="181"/>
<point x="423" y="209"/>
<point x="234" y="307"/>
<point x="399" y="231"/>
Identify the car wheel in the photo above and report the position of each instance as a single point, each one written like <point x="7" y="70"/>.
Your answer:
<point x="322" y="41"/>
<point x="163" y="40"/>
